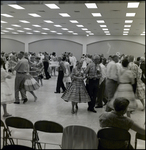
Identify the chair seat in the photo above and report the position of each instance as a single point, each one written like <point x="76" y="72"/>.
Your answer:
<point x="21" y="134"/>
<point x="50" y="138"/>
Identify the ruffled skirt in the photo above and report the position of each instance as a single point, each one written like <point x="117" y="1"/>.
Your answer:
<point x="30" y="83"/>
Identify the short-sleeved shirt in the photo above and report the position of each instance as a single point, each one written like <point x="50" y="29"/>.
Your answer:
<point x="111" y="119"/>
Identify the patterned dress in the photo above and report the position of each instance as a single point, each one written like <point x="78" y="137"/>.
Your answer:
<point x="140" y="90"/>
<point x="76" y="92"/>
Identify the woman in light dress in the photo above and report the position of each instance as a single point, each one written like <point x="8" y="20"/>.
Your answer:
<point x="6" y="94"/>
<point x="76" y="92"/>
<point x="126" y="79"/>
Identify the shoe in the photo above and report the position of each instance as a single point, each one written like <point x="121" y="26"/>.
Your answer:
<point x="25" y="100"/>
<point x="16" y="102"/>
<point x="92" y="110"/>
<point x="77" y="107"/>
<point x="98" y="106"/>
<point x="56" y="92"/>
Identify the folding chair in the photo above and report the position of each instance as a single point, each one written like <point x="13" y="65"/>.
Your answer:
<point x="53" y="133"/>
<point x="113" y="138"/>
<point x="16" y="147"/>
<point x="140" y="137"/>
<point x="79" y="137"/>
<point x="20" y="129"/>
<point x="3" y="133"/>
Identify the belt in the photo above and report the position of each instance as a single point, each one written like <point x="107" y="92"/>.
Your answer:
<point x="21" y="72"/>
<point x="124" y="83"/>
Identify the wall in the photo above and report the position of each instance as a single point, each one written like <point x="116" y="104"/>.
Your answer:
<point x="81" y="44"/>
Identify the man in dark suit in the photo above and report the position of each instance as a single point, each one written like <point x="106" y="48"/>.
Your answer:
<point x="142" y="66"/>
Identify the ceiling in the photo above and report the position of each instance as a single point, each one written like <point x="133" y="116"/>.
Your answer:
<point x="113" y="13"/>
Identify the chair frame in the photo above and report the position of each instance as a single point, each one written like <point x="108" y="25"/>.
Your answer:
<point x="138" y="136"/>
<point x="48" y="127"/>
<point x="22" y="123"/>
<point x="112" y="134"/>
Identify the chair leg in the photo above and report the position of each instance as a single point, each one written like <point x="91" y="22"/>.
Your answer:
<point x="135" y="143"/>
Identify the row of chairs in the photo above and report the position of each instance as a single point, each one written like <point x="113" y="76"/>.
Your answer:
<point x="70" y="137"/>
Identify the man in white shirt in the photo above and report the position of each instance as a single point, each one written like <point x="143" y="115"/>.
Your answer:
<point x="112" y="78"/>
<point x="73" y="61"/>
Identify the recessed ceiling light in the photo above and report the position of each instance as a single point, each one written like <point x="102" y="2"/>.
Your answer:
<point x="10" y="28"/>
<point x="125" y="34"/>
<point x="128" y="21"/>
<point x="16" y="6"/>
<point x="64" y="14"/>
<point x="100" y="21"/>
<point x="53" y="31"/>
<point x="24" y="21"/>
<point x="14" y="33"/>
<point x="103" y="26"/>
<point x="15" y="25"/>
<point x="87" y="35"/>
<point x="34" y="15"/>
<point x="84" y="29"/>
<point x="27" y="29"/>
<point x="3" y="21"/>
<point x="70" y="31"/>
<point x="96" y="14"/>
<point x="5" y="31"/>
<point x="79" y="25"/>
<point x="64" y="28"/>
<point x="130" y="14"/>
<point x="6" y="15"/>
<point x="36" y="31"/>
<point x="29" y="33"/>
<point x="127" y="25"/>
<point x="35" y="25"/>
<point x="91" y="5"/>
<point x="59" y="33"/>
<point x="126" y="29"/>
<point x="57" y="25"/>
<point x="75" y="33"/>
<point x="133" y="5"/>
<point x="45" y="29"/>
<point x="104" y="29"/>
<point x="43" y="33"/>
<point x="48" y="21"/>
<point x="52" y="6"/>
<point x="73" y="21"/>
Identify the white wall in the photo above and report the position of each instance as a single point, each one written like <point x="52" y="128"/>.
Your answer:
<point x="83" y="40"/>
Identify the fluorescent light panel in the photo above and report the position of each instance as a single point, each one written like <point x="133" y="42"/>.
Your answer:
<point x="104" y="29"/>
<point x="103" y="26"/>
<point x="36" y="31"/>
<point x="59" y="33"/>
<point x="16" y="6"/>
<point x="74" y="21"/>
<point x="70" y="31"/>
<point x="64" y="14"/>
<point x="27" y="29"/>
<point x="48" y="21"/>
<point x="20" y="31"/>
<point x="15" y="25"/>
<point x="57" y="25"/>
<point x="96" y="14"/>
<point x="91" y="5"/>
<point x="100" y="21"/>
<point x="53" y="31"/>
<point x="126" y="29"/>
<point x="4" y="30"/>
<point x="24" y="21"/>
<point x="3" y="21"/>
<point x="64" y="28"/>
<point x="10" y="28"/>
<point x="133" y="5"/>
<point x="130" y="14"/>
<point x="45" y="29"/>
<point x="128" y="21"/>
<point x="80" y="26"/>
<point x="84" y="29"/>
<point x="6" y="15"/>
<point x="29" y="33"/>
<point x="35" y="25"/>
<point x="43" y="33"/>
<point x="127" y="25"/>
<point x="52" y="6"/>
<point x="34" y="15"/>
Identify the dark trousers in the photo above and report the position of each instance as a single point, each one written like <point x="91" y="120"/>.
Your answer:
<point x="101" y="94"/>
<point x="134" y="86"/>
<point x="71" y="67"/>
<point x="92" y="90"/>
<point x="46" y="65"/>
<point x="60" y="83"/>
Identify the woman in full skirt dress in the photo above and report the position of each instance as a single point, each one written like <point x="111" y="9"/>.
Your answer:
<point x="140" y="90"/>
<point x="76" y="91"/>
<point x="6" y="93"/>
<point x="124" y="88"/>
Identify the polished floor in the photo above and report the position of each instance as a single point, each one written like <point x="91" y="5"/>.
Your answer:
<point x="50" y="106"/>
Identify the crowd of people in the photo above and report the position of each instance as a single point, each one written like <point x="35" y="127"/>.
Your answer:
<point x="93" y="79"/>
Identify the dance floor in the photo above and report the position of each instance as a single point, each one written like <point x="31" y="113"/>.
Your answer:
<point x="50" y="106"/>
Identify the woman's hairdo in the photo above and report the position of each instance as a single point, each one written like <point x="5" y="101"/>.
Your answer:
<point x="120" y="104"/>
<point x="125" y="62"/>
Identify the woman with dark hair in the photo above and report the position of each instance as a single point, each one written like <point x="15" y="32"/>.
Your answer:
<point x="126" y="79"/>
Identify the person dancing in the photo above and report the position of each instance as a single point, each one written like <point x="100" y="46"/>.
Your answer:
<point x="76" y="92"/>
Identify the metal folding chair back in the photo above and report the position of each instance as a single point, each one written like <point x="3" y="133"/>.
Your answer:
<point x="79" y="137"/>
<point x="53" y="133"/>
<point x="20" y="129"/>
<point x="140" y="137"/>
<point x="113" y="138"/>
